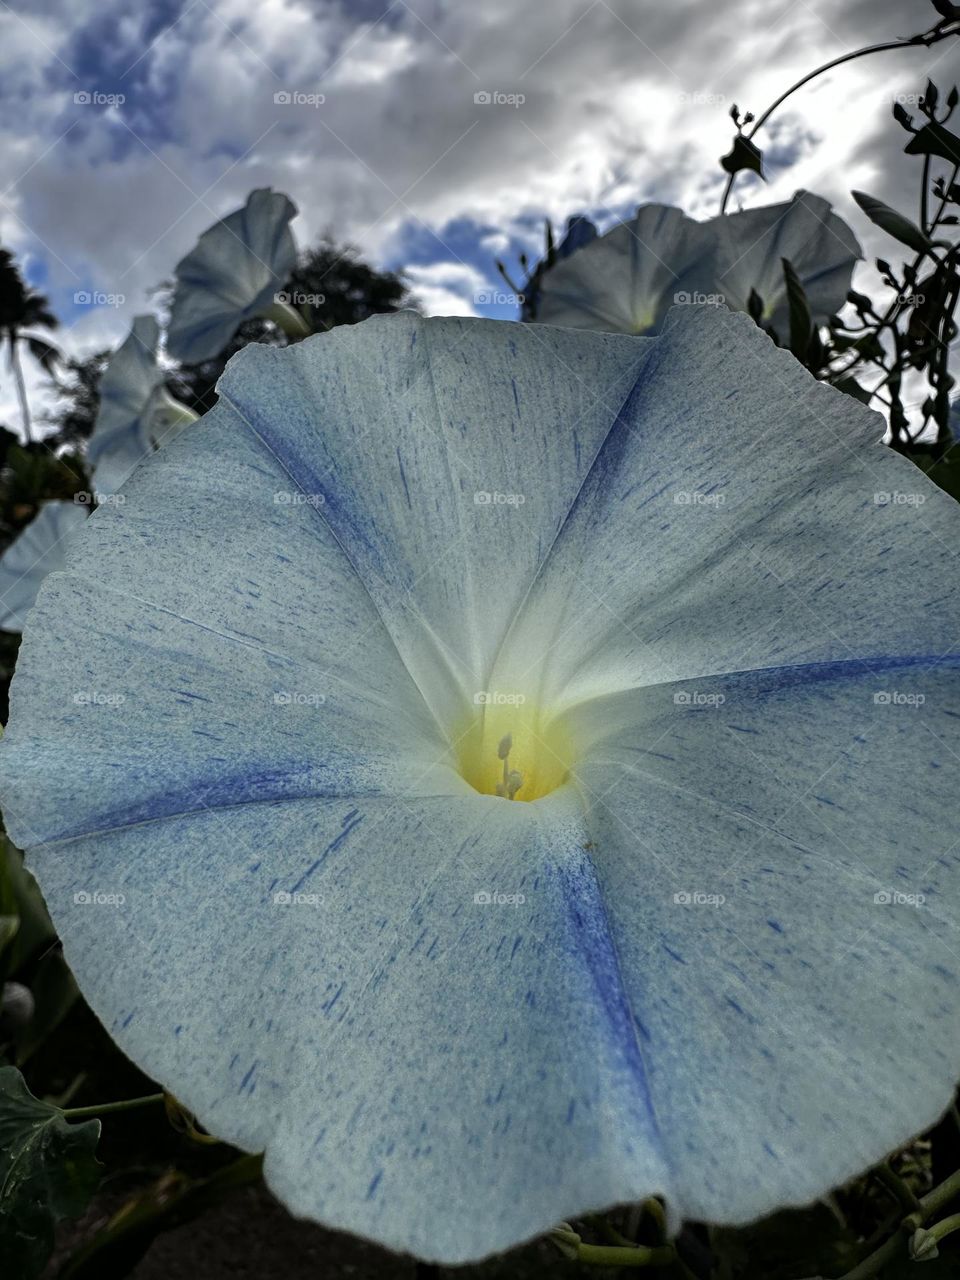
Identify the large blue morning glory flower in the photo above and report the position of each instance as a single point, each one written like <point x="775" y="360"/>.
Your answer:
<point x="137" y="414"/>
<point x="659" y="593"/>
<point x="233" y="274"/>
<point x="626" y="280"/>
<point x="38" y="549"/>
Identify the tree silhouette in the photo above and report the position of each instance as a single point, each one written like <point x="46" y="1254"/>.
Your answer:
<point x="21" y="308"/>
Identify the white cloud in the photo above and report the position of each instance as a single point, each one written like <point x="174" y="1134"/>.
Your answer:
<point x="624" y="101"/>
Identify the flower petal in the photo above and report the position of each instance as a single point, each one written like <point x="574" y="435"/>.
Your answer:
<point x="442" y="456"/>
<point x="121" y="434"/>
<point x="37" y="550"/>
<point x="783" y="902"/>
<point x="818" y="243"/>
<point x="444" y="1076"/>
<point x="740" y="515"/>
<point x="232" y="273"/>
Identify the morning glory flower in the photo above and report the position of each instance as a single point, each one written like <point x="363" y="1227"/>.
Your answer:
<point x="233" y="274"/>
<point x="819" y="245"/>
<point x="625" y="281"/>
<point x="38" y="549"/>
<point x="653" y="590"/>
<point x="137" y="414"/>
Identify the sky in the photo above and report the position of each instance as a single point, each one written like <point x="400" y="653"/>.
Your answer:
<point x="434" y="135"/>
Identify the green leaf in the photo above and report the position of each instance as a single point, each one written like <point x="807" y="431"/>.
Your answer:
<point x="893" y="223"/>
<point x="744" y="155"/>
<point x="934" y="139"/>
<point x="48" y="1171"/>
<point x="801" y="323"/>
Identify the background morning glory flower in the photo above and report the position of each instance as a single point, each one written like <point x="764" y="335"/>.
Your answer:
<point x="233" y="274"/>
<point x="136" y="413"/>
<point x="38" y="549"/>
<point x="405" y="560"/>
<point x="819" y="244"/>
<point x="626" y="280"/>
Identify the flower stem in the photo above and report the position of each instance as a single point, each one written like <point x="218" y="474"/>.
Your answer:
<point x="81" y="1113"/>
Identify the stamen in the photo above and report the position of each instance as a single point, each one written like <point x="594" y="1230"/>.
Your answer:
<point x="512" y="778"/>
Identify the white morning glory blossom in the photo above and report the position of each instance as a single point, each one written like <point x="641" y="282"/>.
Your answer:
<point x="626" y="280"/>
<point x="404" y="565"/>
<point x="137" y="414"/>
<point x="233" y="274"/>
<point x="38" y="549"/>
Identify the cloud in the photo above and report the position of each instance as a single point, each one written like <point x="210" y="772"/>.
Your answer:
<point x="591" y="105"/>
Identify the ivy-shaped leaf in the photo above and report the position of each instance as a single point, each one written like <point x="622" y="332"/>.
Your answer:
<point x="48" y="1171"/>
<point x="744" y="155"/>
<point x="934" y="139"/>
